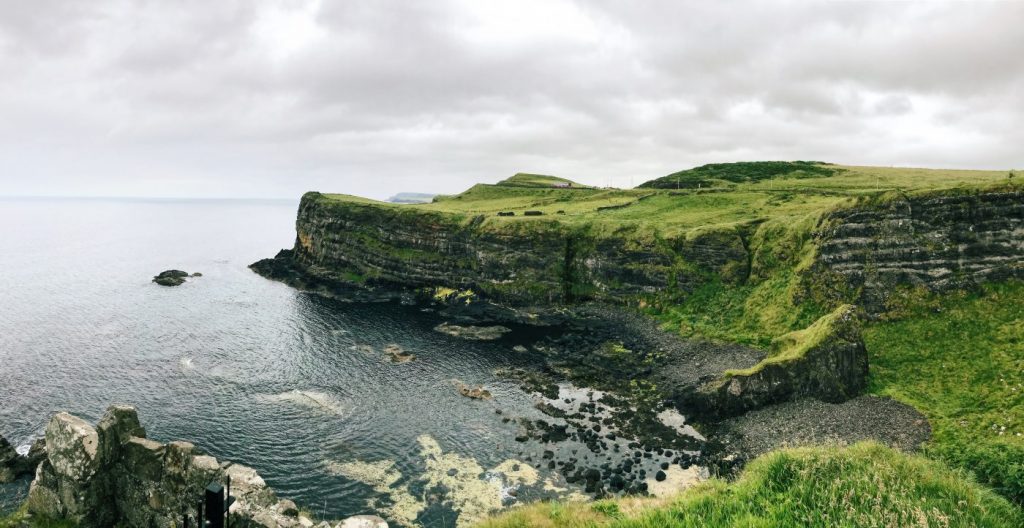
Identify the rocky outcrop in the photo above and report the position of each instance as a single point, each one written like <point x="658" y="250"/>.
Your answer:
<point x="345" y="244"/>
<point x="171" y="278"/>
<point x="936" y="241"/>
<point x="14" y="465"/>
<point x="112" y="475"/>
<point x="826" y="361"/>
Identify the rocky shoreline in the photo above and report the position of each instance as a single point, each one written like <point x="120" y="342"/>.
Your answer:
<point x="641" y="372"/>
<point x="113" y="475"/>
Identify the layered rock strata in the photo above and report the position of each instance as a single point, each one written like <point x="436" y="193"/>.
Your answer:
<point x="935" y="241"/>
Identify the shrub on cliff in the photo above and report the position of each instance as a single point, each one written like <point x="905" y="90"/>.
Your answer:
<point x="740" y="172"/>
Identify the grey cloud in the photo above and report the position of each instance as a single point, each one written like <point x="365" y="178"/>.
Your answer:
<point x="275" y="97"/>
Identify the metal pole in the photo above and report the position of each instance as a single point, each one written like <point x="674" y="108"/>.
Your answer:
<point x="199" y="515"/>
<point x="227" y="504"/>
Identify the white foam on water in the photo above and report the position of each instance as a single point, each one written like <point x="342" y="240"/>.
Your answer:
<point x="310" y="399"/>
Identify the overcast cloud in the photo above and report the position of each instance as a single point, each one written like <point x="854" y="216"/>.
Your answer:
<point x="272" y="98"/>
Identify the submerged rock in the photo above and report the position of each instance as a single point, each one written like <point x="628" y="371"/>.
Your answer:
<point x="172" y="277"/>
<point x="476" y="393"/>
<point x="395" y="354"/>
<point x="474" y="333"/>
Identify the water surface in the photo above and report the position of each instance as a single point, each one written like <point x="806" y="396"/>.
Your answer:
<point x="248" y="369"/>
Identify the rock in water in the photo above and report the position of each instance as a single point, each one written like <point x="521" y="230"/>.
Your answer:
<point x="396" y="355"/>
<point x="171" y="278"/>
<point x="475" y="333"/>
<point x="477" y="393"/>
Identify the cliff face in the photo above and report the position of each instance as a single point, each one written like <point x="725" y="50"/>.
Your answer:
<point x="939" y="242"/>
<point x="537" y="261"/>
<point x="868" y="254"/>
<point x="863" y="253"/>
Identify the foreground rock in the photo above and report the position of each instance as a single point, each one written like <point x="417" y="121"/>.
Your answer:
<point x="171" y="278"/>
<point x="13" y="465"/>
<point x="112" y="475"/>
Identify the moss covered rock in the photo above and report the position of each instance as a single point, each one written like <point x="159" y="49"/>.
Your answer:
<point x="827" y="361"/>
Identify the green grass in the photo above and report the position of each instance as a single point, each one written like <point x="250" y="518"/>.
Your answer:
<point x="795" y="344"/>
<point x="861" y="485"/>
<point x="786" y="197"/>
<point x="21" y="518"/>
<point x="524" y="179"/>
<point x="960" y="360"/>
<point x="717" y="174"/>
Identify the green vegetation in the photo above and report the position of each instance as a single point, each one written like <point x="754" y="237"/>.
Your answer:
<point x="719" y="174"/>
<point x="959" y="359"/>
<point x="794" y="345"/>
<point x="21" y="519"/>
<point x="862" y="485"/>
<point x="523" y="179"/>
<point x="791" y="196"/>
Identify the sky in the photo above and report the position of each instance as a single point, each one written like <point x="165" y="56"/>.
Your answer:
<point x="269" y="99"/>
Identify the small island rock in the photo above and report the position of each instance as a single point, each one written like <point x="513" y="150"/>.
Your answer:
<point x="171" y="278"/>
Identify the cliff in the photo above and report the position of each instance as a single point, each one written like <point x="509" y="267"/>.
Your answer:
<point x="935" y="241"/>
<point x="861" y="252"/>
<point x="748" y="262"/>
<point x="343" y="243"/>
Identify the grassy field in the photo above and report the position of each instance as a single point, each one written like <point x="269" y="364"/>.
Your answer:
<point x="786" y="197"/>
<point x="862" y="485"/>
<point x="960" y="361"/>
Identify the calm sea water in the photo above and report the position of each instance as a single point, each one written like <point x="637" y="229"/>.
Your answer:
<point x="215" y="361"/>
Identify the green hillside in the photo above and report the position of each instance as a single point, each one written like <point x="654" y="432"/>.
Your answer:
<point x="524" y="179"/>
<point x="862" y="485"/>
<point x="790" y="195"/>
<point x="718" y="174"/>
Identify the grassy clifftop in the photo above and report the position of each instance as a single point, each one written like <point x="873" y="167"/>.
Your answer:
<point x="745" y="196"/>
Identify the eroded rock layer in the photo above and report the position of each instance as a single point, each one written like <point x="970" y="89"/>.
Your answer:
<point x="935" y="241"/>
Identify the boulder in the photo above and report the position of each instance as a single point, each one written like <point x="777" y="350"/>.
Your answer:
<point x="363" y="521"/>
<point x="826" y="361"/>
<point x="72" y="447"/>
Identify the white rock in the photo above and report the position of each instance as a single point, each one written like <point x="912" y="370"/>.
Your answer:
<point x="363" y="521"/>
